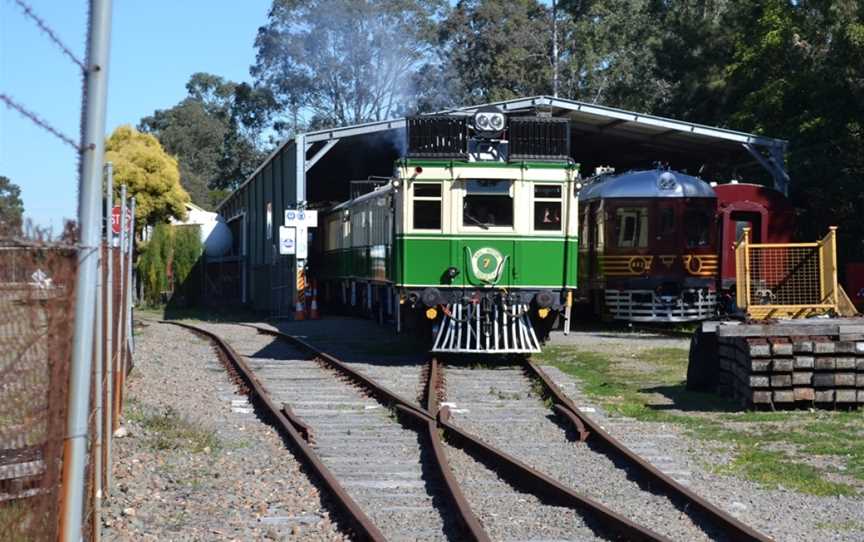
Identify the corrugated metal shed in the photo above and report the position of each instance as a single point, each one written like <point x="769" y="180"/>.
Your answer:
<point x="316" y="166"/>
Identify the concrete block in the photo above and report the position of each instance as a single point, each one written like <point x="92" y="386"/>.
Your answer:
<point x="826" y="363"/>
<point x="853" y="337"/>
<point x="802" y="344"/>
<point x="861" y="396"/>
<point x="823" y="347"/>
<point x="781" y="381"/>
<point x="859" y="380"/>
<point x="859" y="347"/>
<point x="761" y="397"/>
<point x="846" y="396"/>
<point x="784" y="396"/>
<point x="781" y="346"/>
<point x="802" y="378"/>
<point x="844" y="347"/>
<point x="804" y="394"/>
<point x="845" y="363"/>
<point x="823" y="380"/>
<point x="759" y="381"/>
<point x="782" y="365"/>
<point x="760" y="365"/>
<point x="844" y="379"/>
<point x="824" y="396"/>
<point x="804" y="362"/>
<point x="758" y="348"/>
<point x="859" y="364"/>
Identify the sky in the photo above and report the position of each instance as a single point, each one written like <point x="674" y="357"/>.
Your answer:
<point x="155" y="46"/>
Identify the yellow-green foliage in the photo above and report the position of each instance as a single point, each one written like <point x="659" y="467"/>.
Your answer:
<point x="150" y="174"/>
<point x="187" y="250"/>
<point x="174" y="247"/>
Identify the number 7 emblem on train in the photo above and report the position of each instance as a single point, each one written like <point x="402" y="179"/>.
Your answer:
<point x="473" y="241"/>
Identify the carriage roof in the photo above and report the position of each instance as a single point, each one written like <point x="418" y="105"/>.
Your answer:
<point x="654" y="183"/>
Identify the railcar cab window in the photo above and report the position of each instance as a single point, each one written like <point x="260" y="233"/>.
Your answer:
<point x="427" y="206"/>
<point x="488" y="204"/>
<point x="632" y="227"/>
<point x="547" y="207"/>
<point x="697" y="228"/>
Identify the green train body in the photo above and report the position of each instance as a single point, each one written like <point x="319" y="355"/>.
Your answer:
<point x="482" y="253"/>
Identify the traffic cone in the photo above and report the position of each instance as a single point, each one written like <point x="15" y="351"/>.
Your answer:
<point x="313" y="306"/>
<point x="300" y="310"/>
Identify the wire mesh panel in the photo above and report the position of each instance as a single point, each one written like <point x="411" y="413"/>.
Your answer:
<point x="790" y="280"/>
<point x="37" y="290"/>
<point x="784" y="275"/>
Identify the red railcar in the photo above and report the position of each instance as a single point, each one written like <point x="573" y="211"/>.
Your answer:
<point x="767" y="212"/>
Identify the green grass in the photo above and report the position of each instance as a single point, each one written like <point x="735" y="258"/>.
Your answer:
<point x="761" y="441"/>
<point x="167" y="430"/>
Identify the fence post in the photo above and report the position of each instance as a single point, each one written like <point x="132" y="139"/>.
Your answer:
<point x="129" y="347"/>
<point x="108" y="409"/>
<point x="92" y="156"/>
<point x="747" y="270"/>
<point x="121" y="314"/>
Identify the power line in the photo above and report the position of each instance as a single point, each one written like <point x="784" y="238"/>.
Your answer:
<point x="34" y="118"/>
<point x="28" y="11"/>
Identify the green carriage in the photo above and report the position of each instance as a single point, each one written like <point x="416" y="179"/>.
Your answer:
<point x="474" y="237"/>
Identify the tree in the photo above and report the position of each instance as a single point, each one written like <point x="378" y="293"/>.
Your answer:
<point x="150" y="174"/>
<point x="215" y="133"/>
<point x="497" y="50"/>
<point x="343" y="62"/>
<point x="11" y="208"/>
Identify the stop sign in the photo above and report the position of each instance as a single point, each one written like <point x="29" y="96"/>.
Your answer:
<point x="115" y="219"/>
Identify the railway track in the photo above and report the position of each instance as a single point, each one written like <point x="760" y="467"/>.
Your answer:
<point x="397" y="484"/>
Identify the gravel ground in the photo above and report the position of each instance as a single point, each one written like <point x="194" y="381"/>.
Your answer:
<point x="377" y="461"/>
<point x="499" y="406"/>
<point x="782" y="514"/>
<point x="197" y="464"/>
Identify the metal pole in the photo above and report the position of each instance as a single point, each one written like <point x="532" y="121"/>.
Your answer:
<point x="108" y="410"/>
<point x="121" y="314"/>
<point x="92" y="156"/>
<point x="555" y="48"/>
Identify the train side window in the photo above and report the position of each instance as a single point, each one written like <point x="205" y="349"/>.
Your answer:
<point x="547" y="207"/>
<point x="632" y="225"/>
<point x="427" y="206"/>
<point x="488" y="203"/>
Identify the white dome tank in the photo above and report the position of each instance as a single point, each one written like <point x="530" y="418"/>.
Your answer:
<point x="217" y="238"/>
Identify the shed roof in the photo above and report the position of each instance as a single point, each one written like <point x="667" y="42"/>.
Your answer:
<point x="600" y="135"/>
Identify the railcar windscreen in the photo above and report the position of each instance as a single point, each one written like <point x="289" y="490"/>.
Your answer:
<point x="488" y="204"/>
<point x="697" y="228"/>
<point x="427" y="206"/>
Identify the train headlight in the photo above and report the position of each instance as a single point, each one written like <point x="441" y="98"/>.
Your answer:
<point x="431" y="313"/>
<point x="489" y="122"/>
<point x="543" y="313"/>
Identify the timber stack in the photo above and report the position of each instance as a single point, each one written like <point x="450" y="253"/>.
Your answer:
<point x="817" y="362"/>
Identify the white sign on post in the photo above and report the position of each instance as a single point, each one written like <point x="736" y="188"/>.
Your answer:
<point x="301" y="221"/>
<point x="287" y="240"/>
<point x="309" y="218"/>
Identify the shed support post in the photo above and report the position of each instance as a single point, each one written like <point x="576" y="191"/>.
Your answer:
<point x="773" y="164"/>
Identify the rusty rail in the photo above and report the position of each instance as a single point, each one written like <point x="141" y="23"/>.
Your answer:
<point x="735" y="529"/>
<point x="364" y="526"/>
<point x="521" y="474"/>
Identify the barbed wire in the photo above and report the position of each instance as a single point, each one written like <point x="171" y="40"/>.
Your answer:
<point x="34" y="118"/>
<point x="28" y="11"/>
